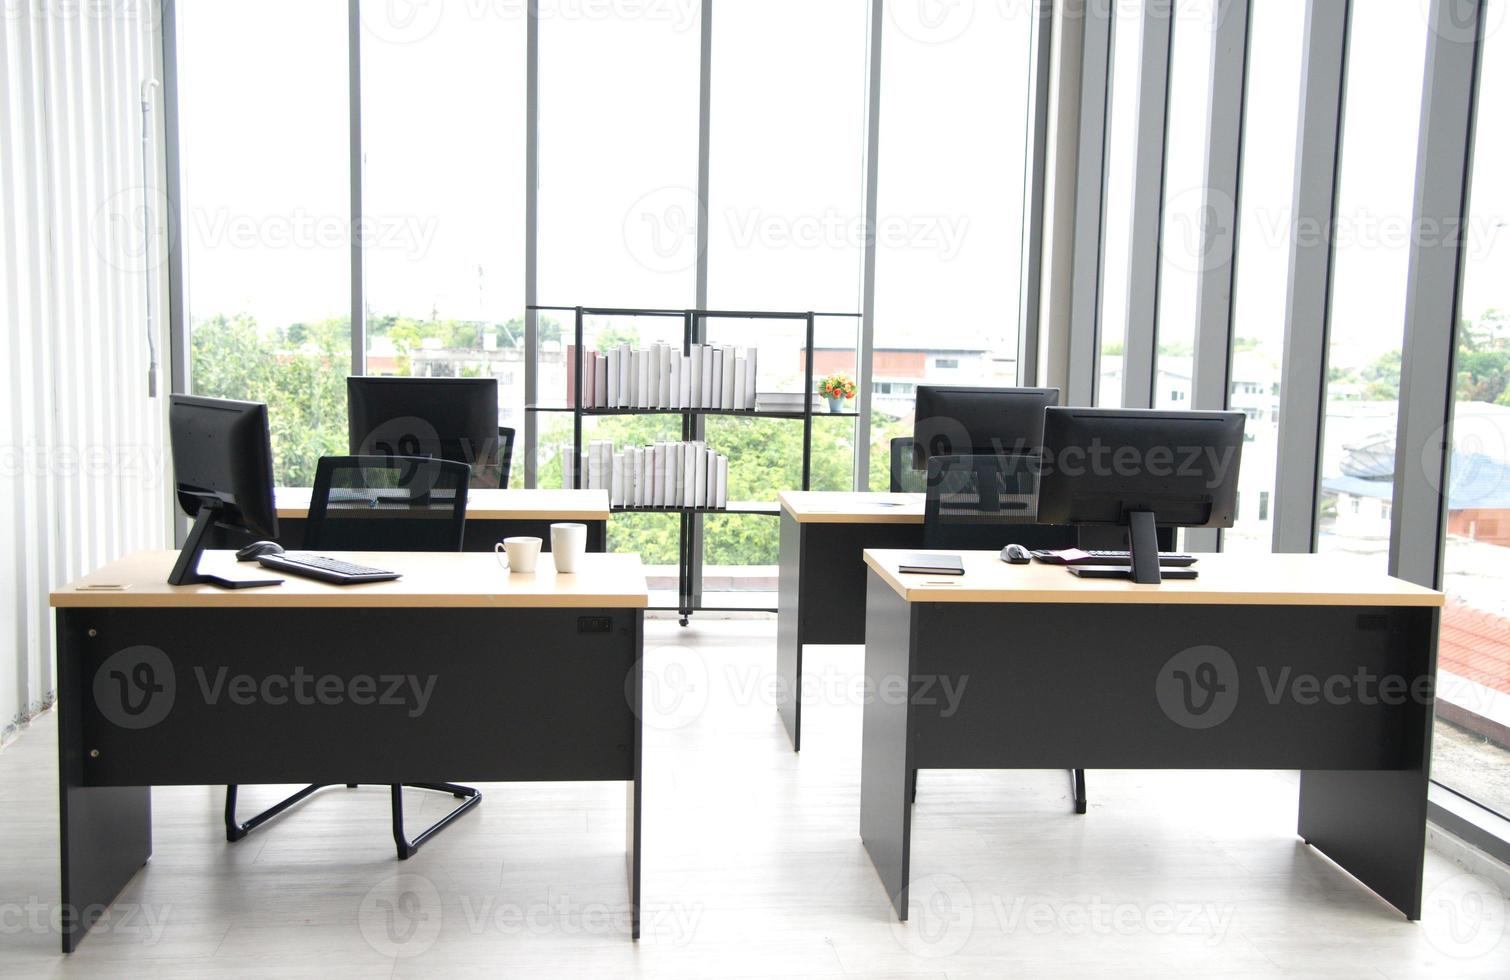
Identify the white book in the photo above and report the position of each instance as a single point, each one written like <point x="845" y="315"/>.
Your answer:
<point x="632" y="392"/>
<point x="581" y="480"/>
<point x="616" y="488"/>
<point x="723" y="482"/>
<point x="676" y="382"/>
<point x="612" y="388"/>
<point x="586" y="366"/>
<point x="674" y="475"/>
<point x="661" y="458"/>
<point x="716" y="382"/>
<point x="665" y="377"/>
<point x="652" y="384"/>
<point x="741" y="366"/>
<point x="699" y="476"/>
<point x="751" y="391"/>
<point x="605" y="465"/>
<point x="624" y="360"/>
<point x="695" y="385"/>
<point x="565" y="467"/>
<point x="600" y="381"/>
<point x="685" y="397"/>
<point x="707" y="401"/>
<point x="726" y="400"/>
<point x="712" y="458"/>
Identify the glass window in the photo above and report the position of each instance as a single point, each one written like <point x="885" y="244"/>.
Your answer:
<point x="786" y="155"/>
<point x="618" y="154"/>
<point x="786" y="231"/>
<point x="443" y="195"/>
<point x="1184" y="199"/>
<point x="955" y="119"/>
<point x="1471" y="749"/>
<point x="1121" y="151"/>
<point x="1276" y="38"/>
<point x="266" y="216"/>
<point x="1386" y="64"/>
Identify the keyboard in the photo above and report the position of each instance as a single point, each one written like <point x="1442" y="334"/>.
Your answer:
<point x="325" y="569"/>
<point x="1167" y="559"/>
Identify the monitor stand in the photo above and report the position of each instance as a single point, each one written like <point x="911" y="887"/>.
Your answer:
<point x="186" y="569"/>
<point x="1143" y="544"/>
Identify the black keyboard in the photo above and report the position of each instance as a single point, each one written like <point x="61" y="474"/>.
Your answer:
<point x="1167" y="559"/>
<point x="325" y="569"/>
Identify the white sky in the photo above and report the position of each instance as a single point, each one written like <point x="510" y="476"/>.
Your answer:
<point x="266" y="188"/>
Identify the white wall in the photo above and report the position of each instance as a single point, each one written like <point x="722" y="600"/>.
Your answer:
<point x="82" y="467"/>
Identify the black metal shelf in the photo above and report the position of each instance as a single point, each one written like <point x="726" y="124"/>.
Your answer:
<point x="739" y="507"/>
<point x="749" y="413"/>
<point x="694" y="331"/>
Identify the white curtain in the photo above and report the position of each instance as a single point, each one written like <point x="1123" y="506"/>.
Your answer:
<point x="82" y="467"/>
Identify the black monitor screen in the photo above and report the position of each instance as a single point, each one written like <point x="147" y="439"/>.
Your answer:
<point x="958" y="421"/>
<point x="446" y="418"/>
<point x="222" y="458"/>
<point x="1100" y="465"/>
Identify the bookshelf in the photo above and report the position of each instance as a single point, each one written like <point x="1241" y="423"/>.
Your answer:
<point x="695" y="323"/>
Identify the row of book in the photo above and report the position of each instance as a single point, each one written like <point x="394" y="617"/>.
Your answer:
<point x="663" y="474"/>
<point x="660" y="376"/>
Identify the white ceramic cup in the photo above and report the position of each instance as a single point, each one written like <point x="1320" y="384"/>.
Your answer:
<point x="568" y="545"/>
<point x="518" y="554"/>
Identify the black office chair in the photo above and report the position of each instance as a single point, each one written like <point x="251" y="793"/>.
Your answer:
<point x="904" y="478"/>
<point x="505" y="455"/>
<point x="977" y="503"/>
<point x="381" y="503"/>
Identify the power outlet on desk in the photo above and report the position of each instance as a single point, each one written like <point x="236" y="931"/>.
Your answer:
<point x="594" y="624"/>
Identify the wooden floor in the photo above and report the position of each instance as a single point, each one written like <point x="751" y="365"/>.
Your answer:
<point x="753" y="867"/>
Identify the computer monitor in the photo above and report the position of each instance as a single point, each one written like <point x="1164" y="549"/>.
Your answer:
<point x="445" y="418"/>
<point x="223" y="474"/>
<point x="960" y="421"/>
<point x="1140" y="469"/>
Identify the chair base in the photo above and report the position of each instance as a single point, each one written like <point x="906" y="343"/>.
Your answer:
<point x="236" y="830"/>
<point x="1077" y="782"/>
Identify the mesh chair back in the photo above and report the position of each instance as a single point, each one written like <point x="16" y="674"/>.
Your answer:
<point x="505" y="455"/>
<point x="387" y="503"/>
<point x="977" y="503"/>
<point x="904" y="478"/>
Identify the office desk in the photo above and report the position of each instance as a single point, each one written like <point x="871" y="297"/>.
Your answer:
<point x="492" y="515"/>
<point x="500" y="677"/>
<point x="821" y="588"/>
<point x="1264" y="662"/>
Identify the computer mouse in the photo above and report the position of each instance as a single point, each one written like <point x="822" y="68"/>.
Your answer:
<point x="257" y="549"/>
<point x="1016" y="554"/>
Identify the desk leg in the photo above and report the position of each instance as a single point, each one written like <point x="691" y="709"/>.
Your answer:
<point x="597" y="536"/>
<point x="104" y="832"/>
<point x="789" y="630"/>
<point x="634" y="832"/>
<point x="1373" y="823"/>
<point x="886" y="771"/>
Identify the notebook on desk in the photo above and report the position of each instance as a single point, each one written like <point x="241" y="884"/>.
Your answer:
<point x="932" y="565"/>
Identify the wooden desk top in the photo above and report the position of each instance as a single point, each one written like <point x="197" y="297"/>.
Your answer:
<point x="430" y="580"/>
<point x="843" y="507"/>
<point x="1280" y="580"/>
<point x="491" y="505"/>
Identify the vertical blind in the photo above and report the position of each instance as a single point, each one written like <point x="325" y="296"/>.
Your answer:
<point x="82" y="465"/>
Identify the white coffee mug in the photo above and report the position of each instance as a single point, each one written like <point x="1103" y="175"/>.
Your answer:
<point x="568" y="545"/>
<point x="518" y="554"/>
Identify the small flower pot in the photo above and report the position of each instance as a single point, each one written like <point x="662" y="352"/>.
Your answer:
<point x="835" y="404"/>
